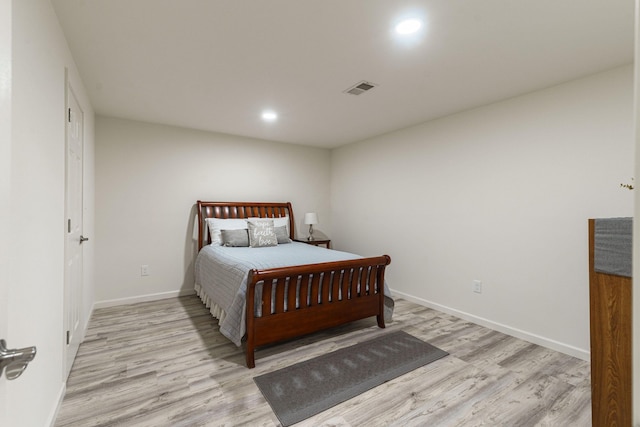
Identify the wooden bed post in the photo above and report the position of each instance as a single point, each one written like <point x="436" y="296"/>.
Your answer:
<point x="380" y="284"/>
<point x="250" y="316"/>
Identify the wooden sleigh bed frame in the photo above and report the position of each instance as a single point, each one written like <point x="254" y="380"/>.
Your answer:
<point x="328" y="294"/>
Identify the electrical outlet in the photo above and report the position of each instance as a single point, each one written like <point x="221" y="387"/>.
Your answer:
<point x="477" y="286"/>
<point x="144" y="270"/>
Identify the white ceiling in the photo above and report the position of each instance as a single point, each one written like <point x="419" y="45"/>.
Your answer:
<point x="216" y="64"/>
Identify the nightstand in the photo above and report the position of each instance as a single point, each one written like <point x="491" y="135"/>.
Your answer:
<point x="315" y="242"/>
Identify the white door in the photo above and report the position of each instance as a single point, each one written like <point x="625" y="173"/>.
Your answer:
<point x="5" y="180"/>
<point x="73" y="231"/>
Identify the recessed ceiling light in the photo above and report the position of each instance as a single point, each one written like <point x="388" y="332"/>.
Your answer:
<point x="269" y="116"/>
<point x="408" y="26"/>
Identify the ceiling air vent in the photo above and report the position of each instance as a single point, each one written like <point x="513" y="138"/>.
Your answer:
<point x="360" y="88"/>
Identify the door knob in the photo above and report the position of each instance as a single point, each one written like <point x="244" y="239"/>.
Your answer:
<point x="14" y="362"/>
<point x="83" y="239"/>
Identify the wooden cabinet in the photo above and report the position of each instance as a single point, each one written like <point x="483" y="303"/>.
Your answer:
<point x="610" y="314"/>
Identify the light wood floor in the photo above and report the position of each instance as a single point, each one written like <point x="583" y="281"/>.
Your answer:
<point x="164" y="363"/>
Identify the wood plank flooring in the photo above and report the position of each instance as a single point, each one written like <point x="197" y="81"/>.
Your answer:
<point x="164" y="363"/>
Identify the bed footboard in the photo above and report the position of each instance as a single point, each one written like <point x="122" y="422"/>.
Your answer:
<point x="299" y="300"/>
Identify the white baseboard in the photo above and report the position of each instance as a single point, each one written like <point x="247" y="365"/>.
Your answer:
<point x="518" y="333"/>
<point x="514" y="332"/>
<point x="141" y="298"/>
<point x="54" y="415"/>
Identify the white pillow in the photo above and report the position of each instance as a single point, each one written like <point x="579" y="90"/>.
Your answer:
<point x="217" y="224"/>
<point x="277" y="222"/>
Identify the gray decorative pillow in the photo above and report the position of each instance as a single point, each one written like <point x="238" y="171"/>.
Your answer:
<point x="235" y="238"/>
<point x="282" y="235"/>
<point x="262" y="233"/>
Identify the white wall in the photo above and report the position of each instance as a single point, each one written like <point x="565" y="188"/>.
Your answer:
<point x="500" y="194"/>
<point x="37" y="208"/>
<point x="5" y="178"/>
<point x="148" y="178"/>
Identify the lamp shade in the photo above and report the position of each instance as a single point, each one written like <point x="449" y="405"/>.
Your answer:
<point x="311" y="218"/>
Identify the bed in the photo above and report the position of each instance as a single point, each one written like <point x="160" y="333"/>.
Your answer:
<point x="249" y="290"/>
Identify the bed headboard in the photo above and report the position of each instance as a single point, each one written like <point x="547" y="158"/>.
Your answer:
<point x="240" y="210"/>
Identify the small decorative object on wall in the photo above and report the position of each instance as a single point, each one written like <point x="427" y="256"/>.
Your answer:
<point x="627" y="186"/>
<point x="310" y="218"/>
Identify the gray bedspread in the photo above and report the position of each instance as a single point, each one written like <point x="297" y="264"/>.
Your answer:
<point x="221" y="277"/>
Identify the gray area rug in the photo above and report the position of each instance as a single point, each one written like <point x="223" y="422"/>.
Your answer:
<point x="307" y="388"/>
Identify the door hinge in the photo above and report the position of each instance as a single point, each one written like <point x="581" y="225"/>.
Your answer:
<point x="69" y="114"/>
<point x="69" y="225"/>
<point x="68" y="337"/>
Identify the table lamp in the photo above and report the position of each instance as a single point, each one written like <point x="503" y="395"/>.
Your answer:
<point x="310" y="219"/>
